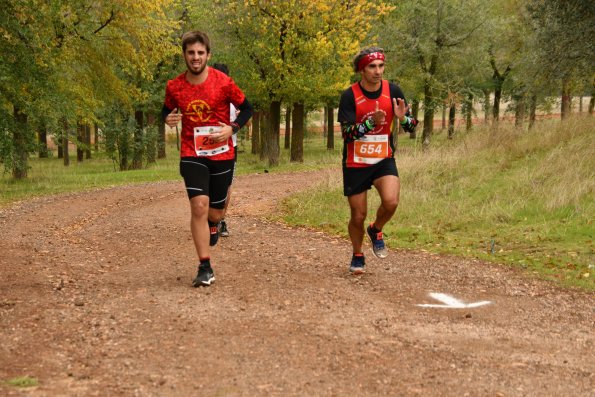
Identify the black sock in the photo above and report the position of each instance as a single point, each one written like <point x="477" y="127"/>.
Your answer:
<point x="374" y="229"/>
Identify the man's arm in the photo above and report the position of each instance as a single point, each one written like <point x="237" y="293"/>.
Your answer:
<point x="350" y="130"/>
<point x="246" y="112"/>
<point x="400" y="108"/>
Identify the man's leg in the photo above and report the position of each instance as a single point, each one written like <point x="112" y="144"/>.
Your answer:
<point x="358" y="203"/>
<point x="199" y="211"/>
<point x="389" y="187"/>
<point x="222" y="224"/>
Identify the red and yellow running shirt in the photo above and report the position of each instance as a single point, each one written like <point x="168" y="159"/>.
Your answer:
<point x="376" y="145"/>
<point x="203" y="106"/>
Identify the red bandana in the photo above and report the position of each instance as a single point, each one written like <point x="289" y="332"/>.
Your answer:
<point x="366" y="60"/>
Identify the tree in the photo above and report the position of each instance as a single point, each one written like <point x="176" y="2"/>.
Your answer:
<point x="90" y="48"/>
<point x="563" y="41"/>
<point x="428" y="31"/>
<point x="294" y="52"/>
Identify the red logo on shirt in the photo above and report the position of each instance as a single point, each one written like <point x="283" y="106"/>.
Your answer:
<point x="199" y="111"/>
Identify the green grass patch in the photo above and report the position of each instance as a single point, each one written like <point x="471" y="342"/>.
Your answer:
<point x="508" y="196"/>
<point x="22" y="382"/>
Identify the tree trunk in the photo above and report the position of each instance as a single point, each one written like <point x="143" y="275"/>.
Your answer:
<point x="95" y="137"/>
<point x="19" y="141"/>
<point x="255" y="149"/>
<point x="324" y="119"/>
<point x="496" y="108"/>
<point x="287" y="127"/>
<point x="297" y="139"/>
<point x="469" y="112"/>
<point x="265" y="120"/>
<point x="451" y="120"/>
<point x="330" y="125"/>
<point x="443" y="116"/>
<point x="486" y="106"/>
<point x="498" y="80"/>
<point x="532" y="110"/>
<point x="65" y="134"/>
<point x="519" y="110"/>
<point x="87" y="141"/>
<point x="137" y="156"/>
<point x="565" y="106"/>
<point x="273" y="133"/>
<point x="160" y="139"/>
<point x="151" y="139"/>
<point x="428" y="116"/>
<point x="80" y="142"/>
<point x="580" y="104"/>
<point x="42" y="137"/>
<point x="414" y="113"/>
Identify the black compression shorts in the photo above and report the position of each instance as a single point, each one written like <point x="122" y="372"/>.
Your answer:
<point x="357" y="180"/>
<point x="205" y="177"/>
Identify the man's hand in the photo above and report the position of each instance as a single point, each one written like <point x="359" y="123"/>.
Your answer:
<point x="173" y="118"/>
<point x="400" y="108"/>
<point x="378" y="116"/>
<point x="223" y="135"/>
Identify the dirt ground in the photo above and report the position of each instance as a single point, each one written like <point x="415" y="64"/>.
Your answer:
<point x="95" y="300"/>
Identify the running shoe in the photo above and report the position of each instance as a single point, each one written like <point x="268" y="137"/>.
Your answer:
<point x="214" y="235"/>
<point x="223" y="232"/>
<point x="378" y="246"/>
<point x="205" y="275"/>
<point x="358" y="263"/>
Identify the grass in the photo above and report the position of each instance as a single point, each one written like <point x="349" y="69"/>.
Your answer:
<point x="509" y="196"/>
<point x="23" y="381"/>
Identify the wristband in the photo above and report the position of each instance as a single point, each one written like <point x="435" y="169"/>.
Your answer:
<point x="404" y="122"/>
<point x="370" y="124"/>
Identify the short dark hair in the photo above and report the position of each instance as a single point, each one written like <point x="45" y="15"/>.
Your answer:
<point x="221" y="67"/>
<point x="196" y="36"/>
<point x="363" y="53"/>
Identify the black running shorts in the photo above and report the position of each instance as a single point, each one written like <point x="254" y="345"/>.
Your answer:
<point x="206" y="177"/>
<point x="357" y="180"/>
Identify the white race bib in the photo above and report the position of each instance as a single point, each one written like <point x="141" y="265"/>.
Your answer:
<point x="204" y="145"/>
<point x="370" y="149"/>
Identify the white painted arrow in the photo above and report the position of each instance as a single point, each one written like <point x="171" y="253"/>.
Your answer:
<point x="450" y="302"/>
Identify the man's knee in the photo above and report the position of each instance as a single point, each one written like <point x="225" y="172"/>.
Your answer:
<point x="215" y="215"/>
<point x="199" y="206"/>
<point x="358" y="217"/>
<point x="391" y="203"/>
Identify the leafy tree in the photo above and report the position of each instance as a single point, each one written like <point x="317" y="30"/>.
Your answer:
<point x="294" y="52"/>
<point x="427" y="31"/>
<point x="90" y="51"/>
<point x="563" y="41"/>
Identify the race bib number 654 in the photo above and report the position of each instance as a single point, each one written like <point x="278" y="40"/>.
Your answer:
<point x="370" y="149"/>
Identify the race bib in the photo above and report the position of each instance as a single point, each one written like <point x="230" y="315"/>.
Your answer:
<point x="370" y="149"/>
<point x="204" y="145"/>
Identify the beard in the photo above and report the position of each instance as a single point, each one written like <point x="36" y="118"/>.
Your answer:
<point x="195" y="72"/>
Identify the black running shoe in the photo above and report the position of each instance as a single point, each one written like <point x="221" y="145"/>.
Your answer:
<point x="214" y="235"/>
<point x="205" y="275"/>
<point x="378" y="246"/>
<point x="358" y="264"/>
<point x="223" y="232"/>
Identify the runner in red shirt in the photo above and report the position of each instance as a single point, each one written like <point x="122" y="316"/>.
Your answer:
<point x="367" y="111"/>
<point x="200" y="98"/>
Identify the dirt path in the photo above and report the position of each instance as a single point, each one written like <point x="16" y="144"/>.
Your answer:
<point x="95" y="300"/>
